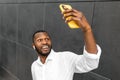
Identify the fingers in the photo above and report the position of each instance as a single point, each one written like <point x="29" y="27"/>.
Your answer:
<point x="71" y="11"/>
<point x="67" y="11"/>
<point x="72" y="19"/>
<point x="72" y="14"/>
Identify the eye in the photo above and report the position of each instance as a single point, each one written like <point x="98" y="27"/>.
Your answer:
<point x="39" y="40"/>
<point x="47" y="39"/>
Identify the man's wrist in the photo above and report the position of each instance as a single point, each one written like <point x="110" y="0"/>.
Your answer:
<point x="87" y="30"/>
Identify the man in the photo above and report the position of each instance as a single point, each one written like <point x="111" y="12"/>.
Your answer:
<point x="52" y="65"/>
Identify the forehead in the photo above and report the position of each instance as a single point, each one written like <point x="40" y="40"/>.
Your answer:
<point x="41" y="35"/>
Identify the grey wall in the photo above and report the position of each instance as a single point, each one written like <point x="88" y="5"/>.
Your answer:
<point x="20" y="18"/>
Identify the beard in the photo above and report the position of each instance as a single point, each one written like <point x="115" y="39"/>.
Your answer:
<point x="41" y="53"/>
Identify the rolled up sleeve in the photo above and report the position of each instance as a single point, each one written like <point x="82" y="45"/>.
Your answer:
<point x="91" y="55"/>
<point x="87" y="61"/>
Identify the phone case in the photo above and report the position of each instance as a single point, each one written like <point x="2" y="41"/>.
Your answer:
<point x="71" y="24"/>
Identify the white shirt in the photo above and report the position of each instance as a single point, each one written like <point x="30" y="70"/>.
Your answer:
<point x="62" y="65"/>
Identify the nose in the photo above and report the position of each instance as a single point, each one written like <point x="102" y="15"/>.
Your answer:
<point x="44" y="42"/>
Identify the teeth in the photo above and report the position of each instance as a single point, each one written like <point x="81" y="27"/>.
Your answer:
<point x="45" y="46"/>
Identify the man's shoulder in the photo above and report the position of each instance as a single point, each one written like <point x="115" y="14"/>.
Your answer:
<point x="64" y="53"/>
<point x="34" y="63"/>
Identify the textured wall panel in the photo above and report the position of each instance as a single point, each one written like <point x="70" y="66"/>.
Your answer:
<point x="8" y="20"/>
<point x="8" y="1"/>
<point x="23" y="1"/>
<point x="6" y="74"/>
<point x="8" y="56"/>
<point x="49" y="1"/>
<point x="30" y="19"/>
<point x="25" y="57"/>
<point x="107" y="30"/>
<point x="89" y="76"/>
<point x="63" y="1"/>
<point x="0" y="52"/>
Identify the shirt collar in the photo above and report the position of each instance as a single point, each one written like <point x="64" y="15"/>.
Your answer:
<point x="49" y="58"/>
<point x="51" y="55"/>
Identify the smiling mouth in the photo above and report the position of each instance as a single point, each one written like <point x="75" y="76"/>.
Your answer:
<point x="45" y="47"/>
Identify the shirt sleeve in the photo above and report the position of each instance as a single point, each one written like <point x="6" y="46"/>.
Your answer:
<point x="92" y="56"/>
<point x="87" y="61"/>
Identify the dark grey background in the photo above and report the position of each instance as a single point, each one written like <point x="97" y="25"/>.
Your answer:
<point x="20" y="18"/>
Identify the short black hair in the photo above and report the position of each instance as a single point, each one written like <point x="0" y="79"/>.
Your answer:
<point x="38" y="31"/>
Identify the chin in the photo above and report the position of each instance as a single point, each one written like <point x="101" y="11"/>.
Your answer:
<point x="46" y="52"/>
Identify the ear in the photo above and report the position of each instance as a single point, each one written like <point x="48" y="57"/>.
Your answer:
<point x="33" y="46"/>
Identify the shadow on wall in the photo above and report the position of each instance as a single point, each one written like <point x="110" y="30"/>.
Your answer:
<point x="6" y="75"/>
<point x="89" y="76"/>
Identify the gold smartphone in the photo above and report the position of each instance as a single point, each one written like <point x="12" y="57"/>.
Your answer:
<point x="71" y="24"/>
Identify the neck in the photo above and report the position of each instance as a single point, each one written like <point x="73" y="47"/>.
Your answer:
<point x="43" y="58"/>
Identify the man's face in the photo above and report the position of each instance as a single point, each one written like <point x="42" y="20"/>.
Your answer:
<point x="42" y="43"/>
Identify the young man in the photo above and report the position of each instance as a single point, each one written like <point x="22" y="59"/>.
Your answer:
<point x="52" y="65"/>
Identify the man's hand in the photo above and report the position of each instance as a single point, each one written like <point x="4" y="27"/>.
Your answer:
<point x="78" y="17"/>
